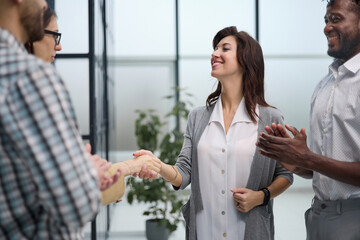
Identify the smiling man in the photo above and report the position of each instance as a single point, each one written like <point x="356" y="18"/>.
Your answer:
<point x="332" y="159"/>
<point x="342" y="29"/>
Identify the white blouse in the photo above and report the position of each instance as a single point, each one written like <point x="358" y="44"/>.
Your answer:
<point x="224" y="163"/>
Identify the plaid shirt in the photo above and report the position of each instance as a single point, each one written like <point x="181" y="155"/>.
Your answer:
<point x="48" y="186"/>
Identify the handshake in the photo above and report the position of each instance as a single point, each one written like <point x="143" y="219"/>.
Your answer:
<point x="111" y="176"/>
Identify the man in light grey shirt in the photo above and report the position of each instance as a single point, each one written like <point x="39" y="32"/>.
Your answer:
<point x="332" y="159"/>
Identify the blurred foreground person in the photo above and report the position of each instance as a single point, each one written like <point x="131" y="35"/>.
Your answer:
<point x="49" y="189"/>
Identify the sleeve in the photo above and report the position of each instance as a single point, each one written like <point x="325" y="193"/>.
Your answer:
<point x="280" y="171"/>
<point x="47" y="139"/>
<point x="183" y="162"/>
<point x="116" y="191"/>
<point x="312" y="102"/>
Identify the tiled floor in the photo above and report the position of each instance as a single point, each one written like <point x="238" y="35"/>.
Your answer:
<point x="128" y="222"/>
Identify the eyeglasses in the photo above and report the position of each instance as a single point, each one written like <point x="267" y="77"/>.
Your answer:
<point x="57" y="36"/>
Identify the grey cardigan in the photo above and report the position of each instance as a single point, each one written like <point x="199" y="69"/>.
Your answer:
<point x="260" y="220"/>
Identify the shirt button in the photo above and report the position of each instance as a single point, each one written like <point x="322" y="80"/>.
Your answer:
<point x="325" y="130"/>
<point x="223" y="213"/>
<point x="223" y="150"/>
<point x="224" y="235"/>
<point x="223" y="191"/>
<point x="323" y="153"/>
<point x="223" y="171"/>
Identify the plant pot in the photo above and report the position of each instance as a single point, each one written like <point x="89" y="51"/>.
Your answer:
<point x="156" y="232"/>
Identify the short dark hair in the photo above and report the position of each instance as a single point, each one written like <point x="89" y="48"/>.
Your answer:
<point x="355" y="6"/>
<point x="250" y="58"/>
<point x="48" y="14"/>
<point x="331" y="2"/>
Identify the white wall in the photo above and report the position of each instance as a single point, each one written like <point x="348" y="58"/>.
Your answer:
<point x="73" y="24"/>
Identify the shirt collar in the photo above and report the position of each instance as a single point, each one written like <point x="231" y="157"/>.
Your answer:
<point x="241" y="114"/>
<point x="7" y="40"/>
<point x="351" y="65"/>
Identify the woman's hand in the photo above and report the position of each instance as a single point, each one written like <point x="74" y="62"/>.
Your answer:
<point x="246" y="199"/>
<point x="146" y="164"/>
<point x="145" y="173"/>
<point x="143" y="152"/>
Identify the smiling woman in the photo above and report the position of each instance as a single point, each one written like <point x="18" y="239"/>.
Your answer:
<point x="232" y="185"/>
<point x="47" y="47"/>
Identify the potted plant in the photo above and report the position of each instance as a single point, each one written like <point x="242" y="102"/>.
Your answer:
<point x="165" y="203"/>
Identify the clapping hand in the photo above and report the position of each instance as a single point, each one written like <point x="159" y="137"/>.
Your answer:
<point x="277" y="144"/>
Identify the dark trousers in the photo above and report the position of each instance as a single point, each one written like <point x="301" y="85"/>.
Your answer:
<point x="333" y="220"/>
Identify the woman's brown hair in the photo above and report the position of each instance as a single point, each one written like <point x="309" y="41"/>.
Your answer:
<point x="251" y="61"/>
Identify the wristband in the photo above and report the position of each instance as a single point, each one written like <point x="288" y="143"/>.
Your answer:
<point x="267" y="196"/>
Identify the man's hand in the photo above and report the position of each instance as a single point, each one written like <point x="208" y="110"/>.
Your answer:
<point x="278" y="145"/>
<point x="279" y="131"/>
<point x="101" y="166"/>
